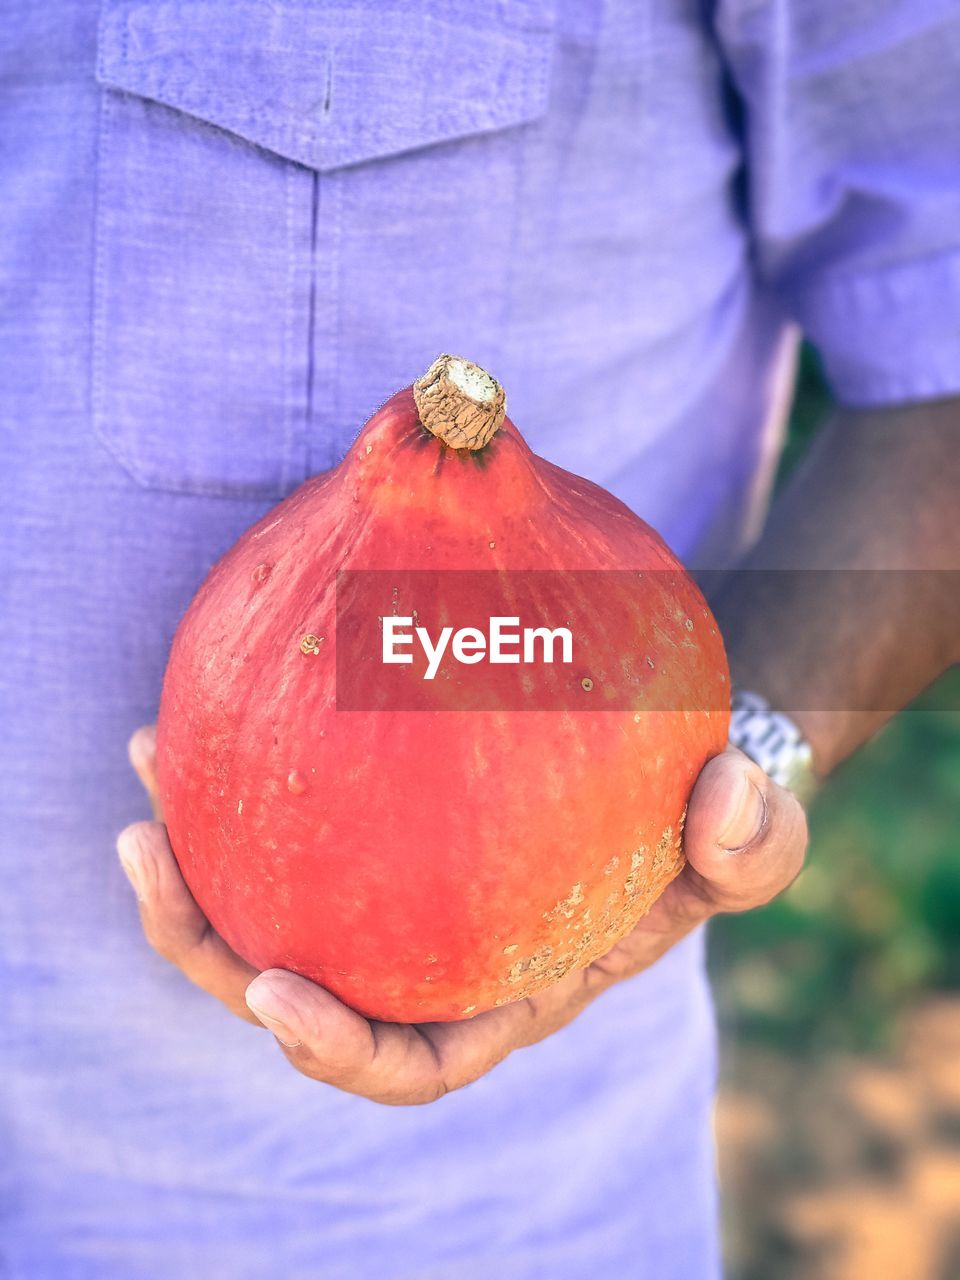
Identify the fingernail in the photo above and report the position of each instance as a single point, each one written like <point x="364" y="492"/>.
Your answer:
<point x="142" y="747"/>
<point x="264" y="1003"/>
<point x="746" y="818"/>
<point x="131" y="863"/>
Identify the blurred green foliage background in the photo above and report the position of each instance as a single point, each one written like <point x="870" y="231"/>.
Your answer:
<point x="873" y="923"/>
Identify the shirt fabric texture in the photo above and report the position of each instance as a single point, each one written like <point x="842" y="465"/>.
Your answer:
<point x="229" y="230"/>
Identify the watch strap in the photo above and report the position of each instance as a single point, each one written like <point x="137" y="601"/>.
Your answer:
<point x="773" y="741"/>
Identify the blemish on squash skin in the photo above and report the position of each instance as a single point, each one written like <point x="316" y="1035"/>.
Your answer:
<point x="261" y="573"/>
<point x="566" y="906"/>
<point x="589" y="938"/>
<point x="636" y="862"/>
<point x="532" y="967"/>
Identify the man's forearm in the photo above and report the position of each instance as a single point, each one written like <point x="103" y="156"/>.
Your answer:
<point x="840" y="651"/>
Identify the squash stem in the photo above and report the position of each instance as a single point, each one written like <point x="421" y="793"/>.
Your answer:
<point x="460" y="403"/>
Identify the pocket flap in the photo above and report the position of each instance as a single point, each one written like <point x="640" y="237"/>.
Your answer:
<point x="336" y="84"/>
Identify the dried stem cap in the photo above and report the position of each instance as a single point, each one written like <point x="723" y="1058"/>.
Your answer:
<point x="460" y="403"/>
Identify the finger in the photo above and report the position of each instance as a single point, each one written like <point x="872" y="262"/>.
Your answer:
<point x="745" y="836"/>
<point x="174" y="924"/>
<point x="328" y="1041"/>
<point x="142" y="749"/>
<point x="392" y="1063"/>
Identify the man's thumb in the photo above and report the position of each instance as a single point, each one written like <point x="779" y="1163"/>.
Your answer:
<point x="745" y="835"/>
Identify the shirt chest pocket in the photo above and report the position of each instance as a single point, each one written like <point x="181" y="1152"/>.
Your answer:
<point x="215" y="118"/>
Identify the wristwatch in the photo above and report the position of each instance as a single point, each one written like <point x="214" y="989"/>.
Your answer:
<point x="773" y="741"/>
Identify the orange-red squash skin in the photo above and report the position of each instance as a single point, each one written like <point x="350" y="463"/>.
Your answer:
<point x="430" y="864"/>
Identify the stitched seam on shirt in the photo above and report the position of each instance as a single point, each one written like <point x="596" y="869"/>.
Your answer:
<point x="120" y="446"/>
<point x="110" y="441"/>
<point x="533" y="60"/>
<point x="337" y="302"/>
<point x="508" y="110"/>
<point x="521" y="176"/>
<point x="312" y="305"/>
<point x="518" y="223"/>
<point x="288" y="422"/>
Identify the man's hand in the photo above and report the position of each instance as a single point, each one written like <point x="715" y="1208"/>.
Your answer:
<point x="744" y="840"/>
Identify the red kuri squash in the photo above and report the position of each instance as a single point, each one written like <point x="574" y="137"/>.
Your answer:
<point x="428" y="848"/>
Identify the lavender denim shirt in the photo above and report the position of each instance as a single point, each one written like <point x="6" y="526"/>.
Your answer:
<point x="229" y="229"/>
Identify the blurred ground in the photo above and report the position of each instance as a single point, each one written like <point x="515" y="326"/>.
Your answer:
<point x="839" y="1114"/>
<point x="845" y="1167"/>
